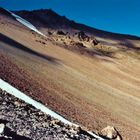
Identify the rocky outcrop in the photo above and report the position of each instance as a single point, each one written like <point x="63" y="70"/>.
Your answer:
<point x="59" y="32"/>
<point x="83" y="37"/>
<point x="77" y="44"/>
<point x="95" y="42"/>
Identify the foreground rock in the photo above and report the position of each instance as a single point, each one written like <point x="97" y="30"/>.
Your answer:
<point x="20" y="121"/>
<point x="2" y="126"/>
<point x="83" y="37"/>
<point x="110" y="132"/>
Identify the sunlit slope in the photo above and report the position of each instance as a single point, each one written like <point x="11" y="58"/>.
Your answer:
<point x="94" y="91"/>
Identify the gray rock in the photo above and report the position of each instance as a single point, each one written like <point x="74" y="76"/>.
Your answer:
<point x="111" y="133"/>
<point x="2" y="126"/>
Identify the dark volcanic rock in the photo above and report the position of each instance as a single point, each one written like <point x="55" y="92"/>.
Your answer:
<point x="83" y="37"/>
<point x="60" y="33"/>
<point x="3" y="11"/>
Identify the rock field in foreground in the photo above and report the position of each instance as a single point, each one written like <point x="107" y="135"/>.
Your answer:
<point x="20" y="121"/>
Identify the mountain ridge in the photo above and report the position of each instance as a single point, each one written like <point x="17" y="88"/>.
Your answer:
<point x="73" y="24"/>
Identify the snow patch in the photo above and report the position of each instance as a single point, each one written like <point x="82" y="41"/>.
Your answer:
<point x="25" y="23"/>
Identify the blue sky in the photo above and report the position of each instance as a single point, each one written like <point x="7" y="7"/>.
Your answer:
<point x="121" y="16"/>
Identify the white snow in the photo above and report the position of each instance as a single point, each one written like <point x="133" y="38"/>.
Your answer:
<point x="25" y="23"/>
<point x="95" y="136"/>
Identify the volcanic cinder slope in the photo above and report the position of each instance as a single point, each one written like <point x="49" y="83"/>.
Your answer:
<point x="89" y="76"/>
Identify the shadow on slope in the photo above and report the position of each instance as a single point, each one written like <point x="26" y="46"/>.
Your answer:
<point x="14" y="136"/>
<point x="15" y="44"/>
<point x="125" y="46"/>
<point x="129" y="45"/>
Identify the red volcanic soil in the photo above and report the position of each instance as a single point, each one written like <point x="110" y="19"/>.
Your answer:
<point x="22" y="80"/>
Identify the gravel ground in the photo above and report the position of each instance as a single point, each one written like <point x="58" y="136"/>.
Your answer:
<point x="24" y="122"/>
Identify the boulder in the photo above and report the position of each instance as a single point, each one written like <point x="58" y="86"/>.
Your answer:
<point x="110" y="133"/>
<point x="83" y="37"/>
<point x="2" y="126"/>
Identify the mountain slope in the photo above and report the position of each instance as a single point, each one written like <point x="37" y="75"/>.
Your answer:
<point x="47" y="21"/>
<point x="94" y="90"/>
